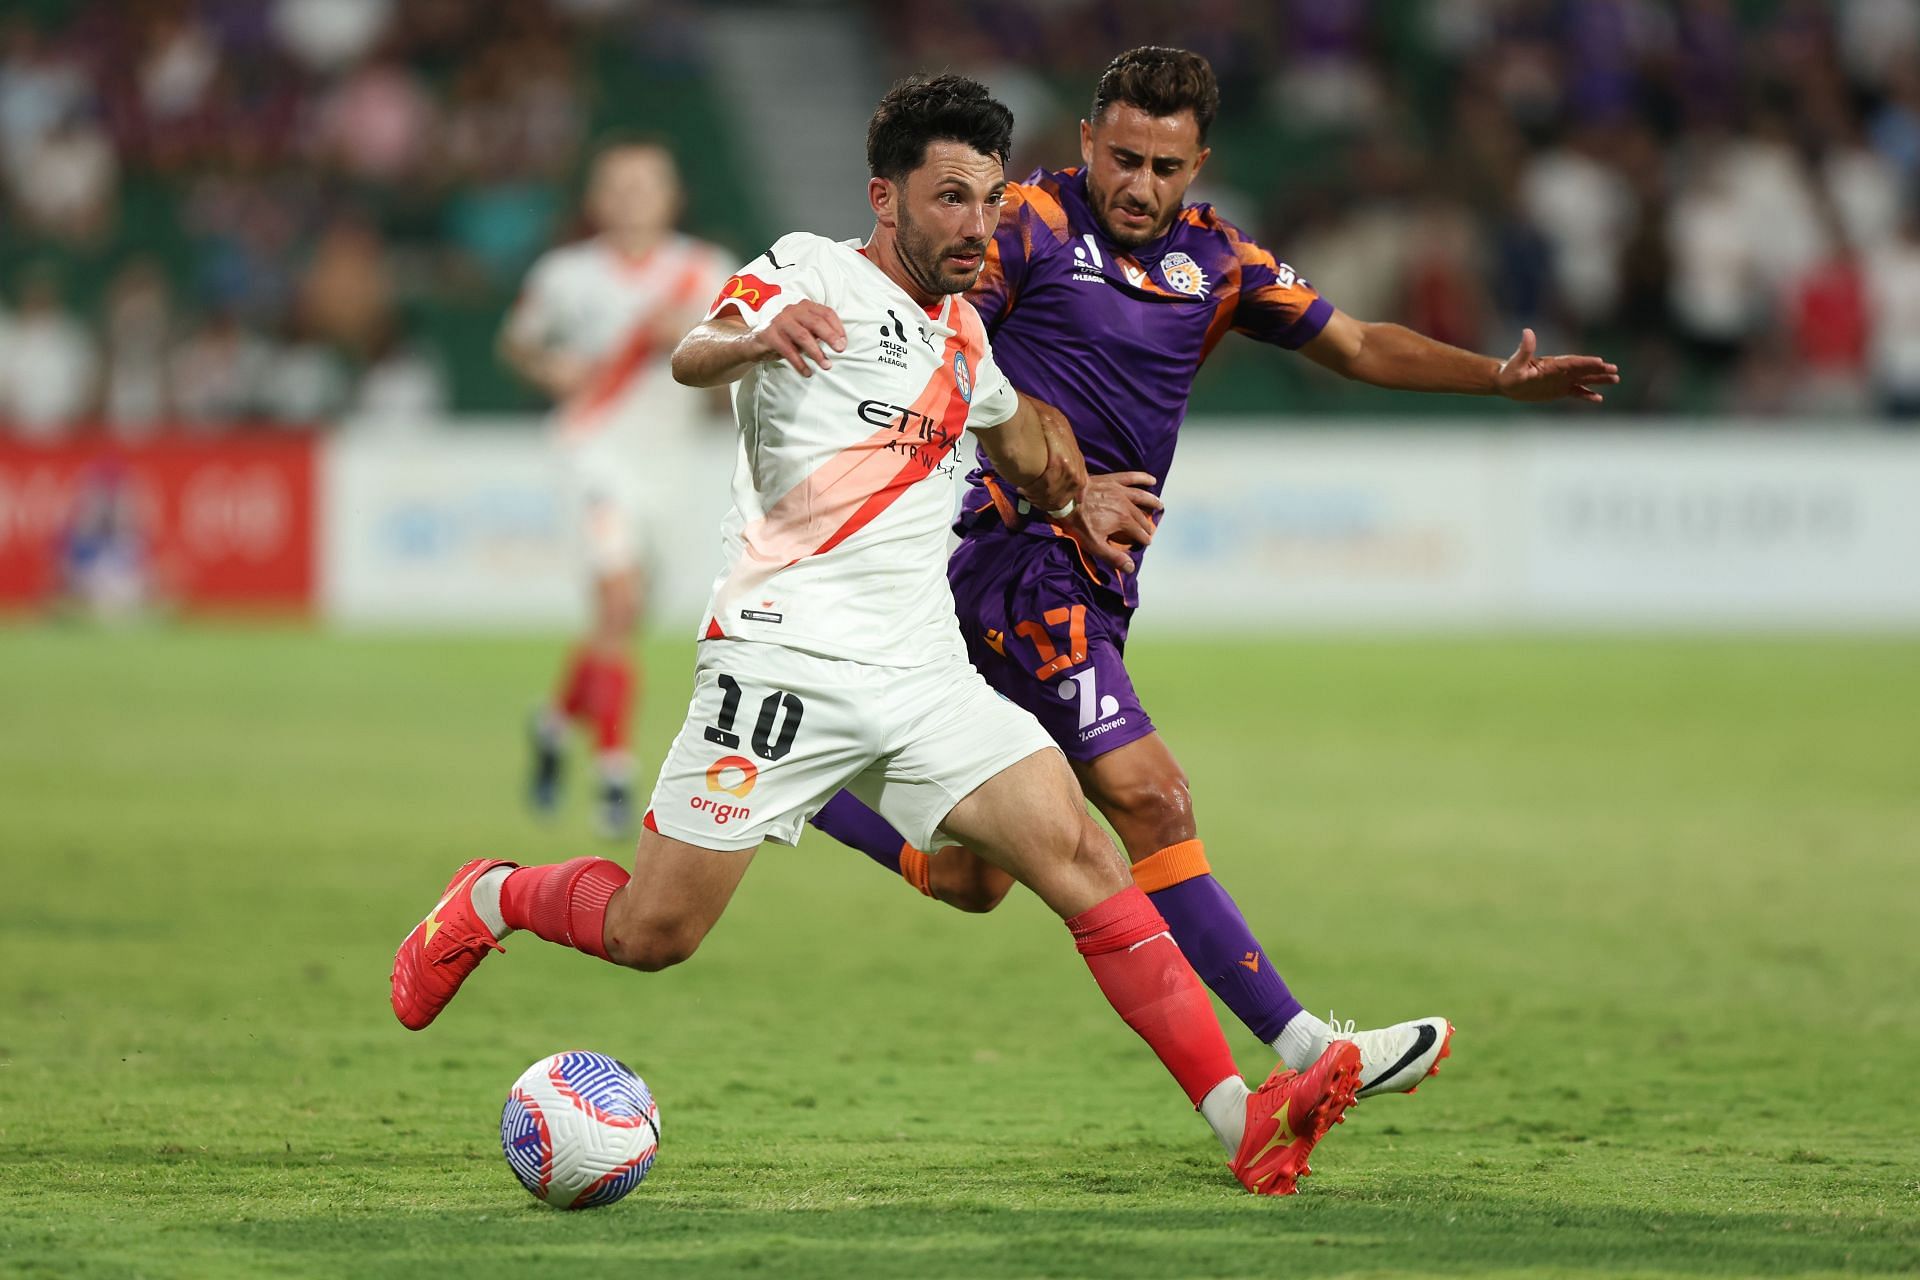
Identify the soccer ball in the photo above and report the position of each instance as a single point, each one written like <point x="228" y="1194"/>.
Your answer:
<point x="580" y="1129"/>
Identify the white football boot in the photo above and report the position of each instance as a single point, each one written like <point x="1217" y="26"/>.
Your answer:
<point x="1396" y="1059"/>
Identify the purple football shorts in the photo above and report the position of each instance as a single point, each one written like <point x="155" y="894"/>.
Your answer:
<point x="1048" y="640"/>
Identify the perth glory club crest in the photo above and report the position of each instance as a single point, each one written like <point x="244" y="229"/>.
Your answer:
<point x="1183" y="275"/>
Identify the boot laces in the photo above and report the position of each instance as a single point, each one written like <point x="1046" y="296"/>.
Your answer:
<point x="479" y="942"/>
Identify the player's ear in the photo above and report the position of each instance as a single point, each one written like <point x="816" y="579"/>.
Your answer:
<point x="882" y="194"/>
<point x="1200" y="161"/>
<point x="1086" y="143"/>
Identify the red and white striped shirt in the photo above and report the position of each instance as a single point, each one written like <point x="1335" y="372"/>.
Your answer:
<point x="591" y="300"/>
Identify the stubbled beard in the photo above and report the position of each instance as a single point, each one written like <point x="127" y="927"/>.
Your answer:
<point x="1103" y="209"/>
<point x="921" y="259"/>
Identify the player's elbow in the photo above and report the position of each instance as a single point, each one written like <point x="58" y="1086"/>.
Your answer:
<point x="1342" y="347"/>
<point x="685" y="365"/>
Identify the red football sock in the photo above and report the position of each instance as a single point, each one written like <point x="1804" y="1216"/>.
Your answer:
<point x="576" y="686"/>
<point x="565" y="902"/>
<point x="1153" y="988"/>
<point x="612" y="703"/>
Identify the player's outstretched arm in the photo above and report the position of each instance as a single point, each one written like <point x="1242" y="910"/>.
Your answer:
<point x="721" y="350"/>
<point x="1393" y="356"/>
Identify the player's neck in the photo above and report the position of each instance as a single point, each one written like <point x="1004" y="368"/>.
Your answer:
<point x="883" y="253"/>
<point x="633" y="245"/>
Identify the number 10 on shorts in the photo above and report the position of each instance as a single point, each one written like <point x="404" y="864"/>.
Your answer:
<point x="773" y="732"/>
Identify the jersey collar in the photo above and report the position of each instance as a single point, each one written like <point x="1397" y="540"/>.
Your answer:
<point x="941" y="316"/>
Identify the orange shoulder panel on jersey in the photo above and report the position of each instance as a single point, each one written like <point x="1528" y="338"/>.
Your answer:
<point x="971" y="329"/>
<point x="1246" y="250"/>
<point x="1045" y="205"/>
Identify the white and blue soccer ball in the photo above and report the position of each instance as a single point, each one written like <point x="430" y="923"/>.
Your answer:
<point x="580" y="1129"/>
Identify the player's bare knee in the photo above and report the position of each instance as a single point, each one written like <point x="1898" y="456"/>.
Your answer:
<point x="1150" y="812"/>
<point x="969" y="884"/>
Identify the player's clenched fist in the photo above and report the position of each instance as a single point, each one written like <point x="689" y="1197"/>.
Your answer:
<point x="803" y="332"/>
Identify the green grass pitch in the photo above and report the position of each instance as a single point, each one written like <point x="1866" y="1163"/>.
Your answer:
<point x="1669" y="890"/>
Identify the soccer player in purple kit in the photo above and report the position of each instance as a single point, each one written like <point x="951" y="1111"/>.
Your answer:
<point x="1104" y="292"/>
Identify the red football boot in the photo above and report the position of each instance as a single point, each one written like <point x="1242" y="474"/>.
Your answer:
<point x="442" y="949"/>
<point x="1289" y="1113"/>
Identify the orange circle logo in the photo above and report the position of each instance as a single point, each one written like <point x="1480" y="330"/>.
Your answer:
<point x="749" y="774"/>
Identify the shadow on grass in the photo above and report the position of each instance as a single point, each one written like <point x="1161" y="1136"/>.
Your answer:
<point x="1131" y="1233"/>
<point x="927" y="1210"/>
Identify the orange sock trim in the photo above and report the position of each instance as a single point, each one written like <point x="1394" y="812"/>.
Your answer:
<point x="1170" y="866"/>
<point x="916" y="869"/>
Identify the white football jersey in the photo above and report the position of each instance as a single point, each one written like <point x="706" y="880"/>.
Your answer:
<point x="591" y="300"/>
<point x="837" y="541"/>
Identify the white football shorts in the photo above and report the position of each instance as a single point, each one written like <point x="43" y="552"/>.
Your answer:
<point x="773" y="733"/>
<point x="608" y="503"/>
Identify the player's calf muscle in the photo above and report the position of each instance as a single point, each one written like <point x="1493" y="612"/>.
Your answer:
<point x="651" y="950"/>
<point x="650" y="940"/>
<point x="967" y="882"/>
<point x="677" y="894"/>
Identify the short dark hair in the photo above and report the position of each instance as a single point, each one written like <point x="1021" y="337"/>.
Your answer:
<point x="623" y="139"/>
<point x="946" y="108"/>
<point x="1161" y="82"/>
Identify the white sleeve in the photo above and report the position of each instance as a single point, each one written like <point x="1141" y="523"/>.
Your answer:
<point x="539" y="313"/>
<point x="994" y="399"/>
<point x="772" y="282"/>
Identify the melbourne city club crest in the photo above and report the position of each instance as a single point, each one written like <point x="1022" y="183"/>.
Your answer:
<point x="962" y="379"/>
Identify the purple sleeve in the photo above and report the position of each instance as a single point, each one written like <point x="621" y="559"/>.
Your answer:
<point x="1275" y="304"/>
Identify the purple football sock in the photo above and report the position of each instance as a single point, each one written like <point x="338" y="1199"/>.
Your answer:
<point x="1221" y="948"/>
<point x="856" y="826"/>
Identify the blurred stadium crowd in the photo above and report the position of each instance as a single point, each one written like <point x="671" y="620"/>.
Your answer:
<point x="226" y="212"/>
<point x="232" y="212"/>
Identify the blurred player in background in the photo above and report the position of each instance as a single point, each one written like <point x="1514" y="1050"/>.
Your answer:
<point x="829" y="655"/>
<point x="593" y="328"/>
<point x="1104" y="292"/>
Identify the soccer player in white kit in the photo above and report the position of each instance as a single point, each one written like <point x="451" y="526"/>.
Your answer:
<point x="593" y="327"/>
<point x="830" y="656"/>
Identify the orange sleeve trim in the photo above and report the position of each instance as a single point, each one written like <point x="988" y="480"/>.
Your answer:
<point x="1170" y="866"/>
<point x="916" y="869"/>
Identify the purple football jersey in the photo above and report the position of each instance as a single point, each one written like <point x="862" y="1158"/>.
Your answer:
<point x="1113" y="338"/>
